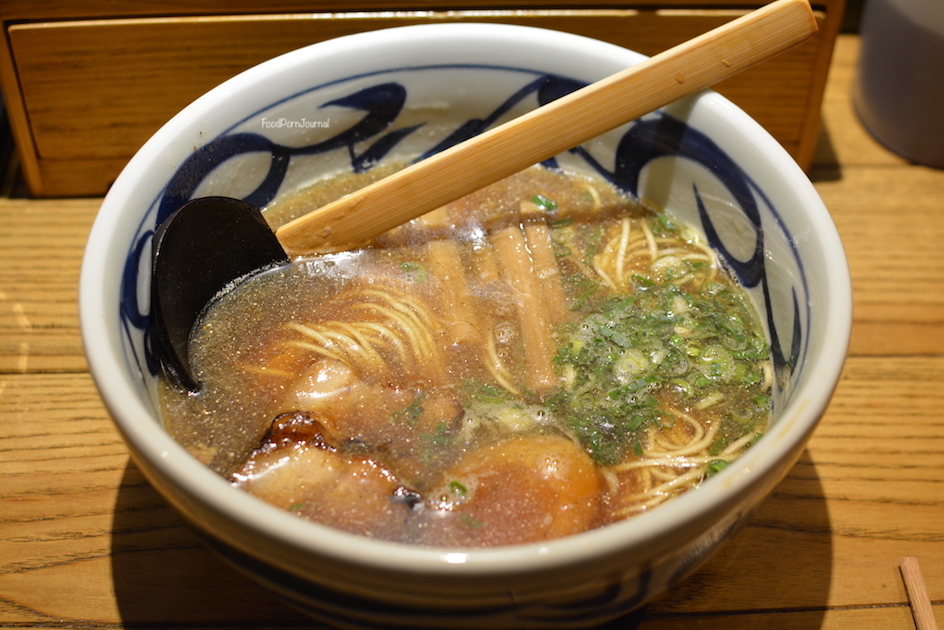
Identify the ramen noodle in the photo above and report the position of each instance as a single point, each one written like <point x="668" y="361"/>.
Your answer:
<point x="537" y="359"/>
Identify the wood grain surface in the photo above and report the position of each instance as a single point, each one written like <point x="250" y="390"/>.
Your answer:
<point x="86" y="543"/>
<point x="84" y="94"/>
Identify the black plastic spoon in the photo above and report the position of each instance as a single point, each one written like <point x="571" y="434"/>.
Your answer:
<point x="210" y="243"/>
<point x="204" y="247"/>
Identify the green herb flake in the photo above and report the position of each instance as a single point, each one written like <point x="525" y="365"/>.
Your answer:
<point x="415" y="270"/>
<point x="483" y="392"/>
<point x="560" y="223"/>
<point x="548" y="205"/>
<point x="658" y="342"/>
<point x="412" y="412"/>
<point x="468" y="521"/>
<point x="666" y="223"/>
<point x="715" y="466"/>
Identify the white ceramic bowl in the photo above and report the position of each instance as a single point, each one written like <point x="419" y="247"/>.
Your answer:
<point x="334" y="106"/>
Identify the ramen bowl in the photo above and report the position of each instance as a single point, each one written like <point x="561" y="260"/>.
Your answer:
<point x="356" y="102"/>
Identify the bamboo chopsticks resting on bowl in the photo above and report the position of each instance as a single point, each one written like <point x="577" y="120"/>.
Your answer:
<point x="552" y="129"/>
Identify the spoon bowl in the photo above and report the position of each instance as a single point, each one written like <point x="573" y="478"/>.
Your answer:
<point x="194" y="262"/>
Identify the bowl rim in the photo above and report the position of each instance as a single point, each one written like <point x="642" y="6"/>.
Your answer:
<point x="149" y="441"/>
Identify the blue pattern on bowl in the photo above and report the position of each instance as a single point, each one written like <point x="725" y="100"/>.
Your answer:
<point x="383" y="98"/>
<point x="656" y="136"/>
<point x="597" y="602"/>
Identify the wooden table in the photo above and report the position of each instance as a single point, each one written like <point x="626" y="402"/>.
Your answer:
<point x="86" y="543"/>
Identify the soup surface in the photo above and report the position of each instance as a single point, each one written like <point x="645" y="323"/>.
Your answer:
<point x="537" y="359"/>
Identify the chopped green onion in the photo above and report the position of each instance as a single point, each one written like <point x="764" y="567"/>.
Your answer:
<point x="544" y="202"/>
<point x="715" y="466"/>
<point x="415" y="270"/>
<point x="559" y="223"/>
<point x="412" y="412"/>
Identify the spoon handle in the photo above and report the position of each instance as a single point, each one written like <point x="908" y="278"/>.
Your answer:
<point x="552" y="129"/>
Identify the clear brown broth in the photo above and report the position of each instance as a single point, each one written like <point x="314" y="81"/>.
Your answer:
<point x="433" y="376"/>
